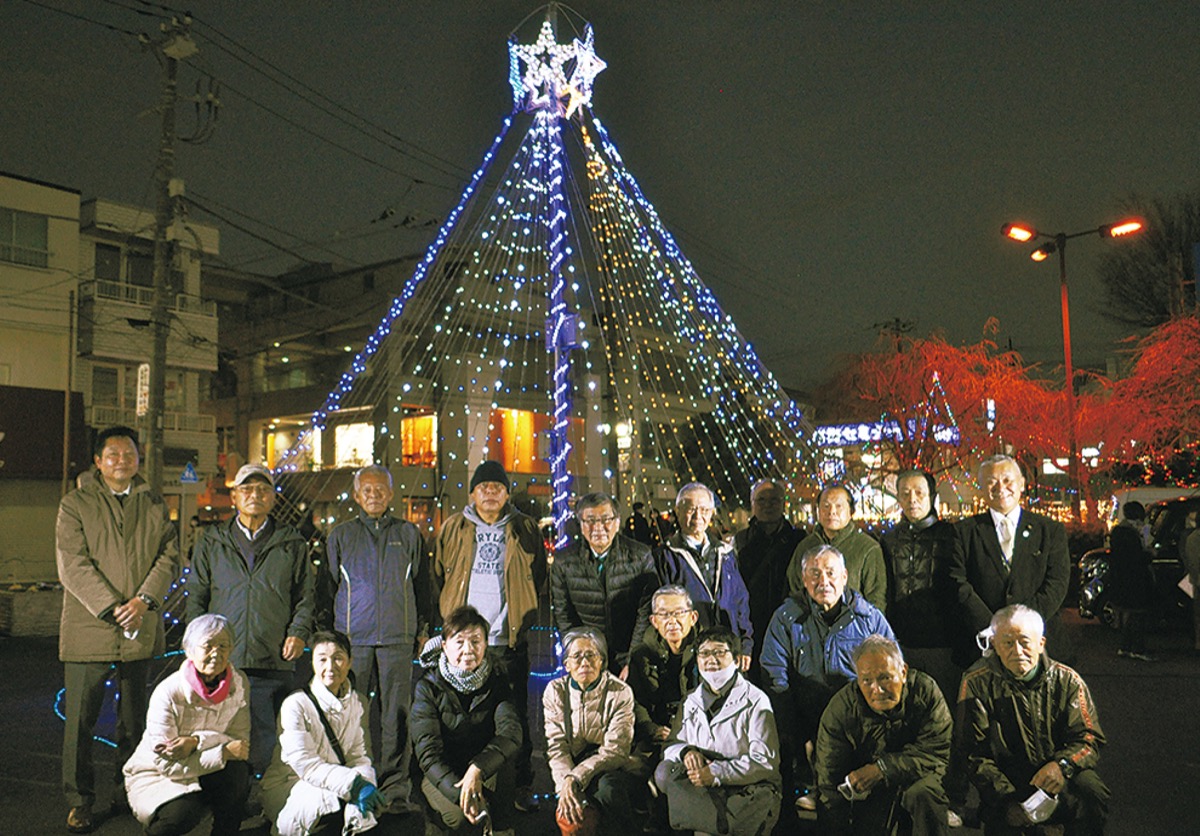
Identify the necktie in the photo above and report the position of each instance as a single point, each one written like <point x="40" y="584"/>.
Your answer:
<point x="1006" y="540"/>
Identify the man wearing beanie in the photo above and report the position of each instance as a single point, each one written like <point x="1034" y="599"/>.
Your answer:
<point x="491" y="556"/>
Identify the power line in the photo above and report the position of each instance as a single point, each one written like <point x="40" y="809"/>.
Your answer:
<point x="86" y="19"/>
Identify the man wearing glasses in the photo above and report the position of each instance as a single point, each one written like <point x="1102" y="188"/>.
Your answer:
<point x="256" y="572"/>
<point x="706" y="567"/>
<point x="662" y="669"/>
<point x="604" y="582"/>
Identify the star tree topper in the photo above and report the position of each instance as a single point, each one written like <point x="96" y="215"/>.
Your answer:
<point x="545" y="84"/>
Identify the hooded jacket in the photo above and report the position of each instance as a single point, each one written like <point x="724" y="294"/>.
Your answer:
<point x="109" y="552"/>
<point x="727" y="604"/>
<point x="524" y="569"/>
<point x="264" y="605"/>
<point x="380" y="574"/>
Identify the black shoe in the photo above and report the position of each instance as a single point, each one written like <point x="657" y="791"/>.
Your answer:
<point x="79" y="820"/>
<point x="526" y="801"/>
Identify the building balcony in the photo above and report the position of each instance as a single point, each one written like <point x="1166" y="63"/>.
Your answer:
<point x="114" y="323"/>
<point x="187" y="436"/>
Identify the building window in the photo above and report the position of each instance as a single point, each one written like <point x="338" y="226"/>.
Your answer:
<point x="418" y="438"/>
<point x="353" y="445"/>
<point x="108" y="263"/>
<point x="141" y="269"/>
<point x="24" y="238"/>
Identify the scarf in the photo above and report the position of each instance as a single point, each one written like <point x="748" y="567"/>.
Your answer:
<point x="465" y="682"/>
<point x="214" y="695"/>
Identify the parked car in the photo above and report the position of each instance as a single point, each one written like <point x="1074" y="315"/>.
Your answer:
<point x="1169" y="521"/>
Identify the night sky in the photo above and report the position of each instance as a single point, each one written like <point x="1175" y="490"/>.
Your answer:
<point x="826" y="166"/>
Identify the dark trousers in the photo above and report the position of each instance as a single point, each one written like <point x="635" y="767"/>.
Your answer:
<point x="1133" y="625"/>
<point x="499" y="792"/>
<point x="84" y="697"/>
<point x="919" y="809"/>
<point x="515" y="664"/>
<point x="389" y="668"/>
<point x="224" y="792"/>
<point x="737" y="810"/>
<point x="1082" y="809"/>
<point x="267" y="690"/>
<point x="615" y="794"/>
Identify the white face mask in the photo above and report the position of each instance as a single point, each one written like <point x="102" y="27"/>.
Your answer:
<point x="717" y="680"/>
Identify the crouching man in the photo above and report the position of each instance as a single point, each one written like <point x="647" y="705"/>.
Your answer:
<point x="1030" y="725"/>
<point x="882" y="748"/>
<point x="721" y="772"/>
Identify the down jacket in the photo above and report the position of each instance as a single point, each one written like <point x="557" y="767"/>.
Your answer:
<point x="912" y="741"/>
<point x="588" y="732"/>
<point x="740" y="740"/>
<point x="176" y="710"/>
<point x="616" y="602"/>
<point x="450" y="731"/>
<point x="264" y="605"/>
<point x="801" y="668"/>
<point x="921" y="598"/>
<point x="1014" y="728"/>
<point x="305" y="779"/>
<point x="524" y="569"/>
<point x="108" y="553"/>
<point x="728" y="604"/>
<point x="380" y="576"/>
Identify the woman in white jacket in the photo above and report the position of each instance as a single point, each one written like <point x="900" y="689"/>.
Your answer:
<point x="192" y="757"/>
<point x="320" y="780"/>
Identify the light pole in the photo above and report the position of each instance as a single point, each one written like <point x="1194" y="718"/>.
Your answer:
<point x="1058" y="243"/>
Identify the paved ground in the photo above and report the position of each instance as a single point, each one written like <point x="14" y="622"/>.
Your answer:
<point x="1151" y="713"/>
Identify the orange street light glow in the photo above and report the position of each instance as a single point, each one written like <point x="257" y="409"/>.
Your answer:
<point x="1017" y="232"/>
<point x="1040" y="254"/>
<point x="1124" y="228"/>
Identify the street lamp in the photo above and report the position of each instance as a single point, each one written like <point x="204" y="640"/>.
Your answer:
<point x="1057" y="243"/>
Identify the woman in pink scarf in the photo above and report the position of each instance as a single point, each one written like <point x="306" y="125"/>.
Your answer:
<point x="192" y="757"/>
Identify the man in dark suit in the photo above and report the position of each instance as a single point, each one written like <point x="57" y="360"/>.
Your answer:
<point x="1007" y="556"/>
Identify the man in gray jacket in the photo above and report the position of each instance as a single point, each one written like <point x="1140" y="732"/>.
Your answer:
<point x="381" y="601"/>
<point x="257" y="574"/>
<point x="117" y="555"/>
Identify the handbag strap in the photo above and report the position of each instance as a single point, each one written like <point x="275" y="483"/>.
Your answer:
<point x="333" y="741"/>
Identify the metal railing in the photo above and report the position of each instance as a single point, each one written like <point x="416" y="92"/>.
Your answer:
<point x="144" y="296"/>
<point x="187" y="422"/>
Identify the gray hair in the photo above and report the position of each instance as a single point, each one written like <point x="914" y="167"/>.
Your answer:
<point x="1019" y="615"/>
<point x="669" y="589"/>
<point x="692" y="487"/>
<point x="372" y="470"/>
<point x="591" y="634"/>
<point x="204" y="627"/>
<point x="762" y="483"/>
<point x="819" y="551"/>
<point x="878" y="643"/>
<point x="992" y="461"/>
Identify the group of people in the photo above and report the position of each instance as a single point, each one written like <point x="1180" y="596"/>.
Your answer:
<point x="708" y="681"/>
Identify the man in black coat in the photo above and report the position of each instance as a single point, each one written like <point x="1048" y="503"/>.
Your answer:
<point x="1007" y="556"/>
<point x="604" y="582"/>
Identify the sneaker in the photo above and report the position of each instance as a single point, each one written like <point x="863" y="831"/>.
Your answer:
<point x="953" y="819"/>
<point x="1143" y="657"/>
<point x="807" y="802"/>
<point x="526" y="801"/>
<point x="79" y="820"/>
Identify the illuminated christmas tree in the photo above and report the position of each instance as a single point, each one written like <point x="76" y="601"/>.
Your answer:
<point x="555" y="325"/>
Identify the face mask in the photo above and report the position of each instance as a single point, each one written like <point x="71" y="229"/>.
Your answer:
<point x="718" y="679"/>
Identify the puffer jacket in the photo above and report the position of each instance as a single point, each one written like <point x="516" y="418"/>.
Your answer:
<point x="647" y="667"/>
<point x="616" y="602"/>
<point x="728" y="604"/>
<point x="176" y="710"/>
<point x="524" y="569"/>
<point x="741" y="738"/>
<point x="450" y="731"/>
<point x="912" y="741"/>
<point x="864" y="562"/>
<point x="589" y="732"/>
<point x="305" y="779"/>
<point x="1012" y="728"/>
<point x="921" y="597"/>
<point x="380" y="576"/>
<point x="108" y="553"/>
<point x="795" y="659"/>
<point x="264" y="606"/>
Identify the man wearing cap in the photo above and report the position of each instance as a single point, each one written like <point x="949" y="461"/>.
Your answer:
<point x="117" y="555"/>
<point x="491" y="556"/>
<point x="256" y="573"/>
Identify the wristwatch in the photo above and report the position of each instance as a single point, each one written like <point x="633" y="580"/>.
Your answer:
<point x="1068" y="768"/>
<point x="150" y="603"/>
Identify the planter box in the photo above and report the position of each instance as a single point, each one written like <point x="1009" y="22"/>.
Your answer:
<point x="31" y="612"/>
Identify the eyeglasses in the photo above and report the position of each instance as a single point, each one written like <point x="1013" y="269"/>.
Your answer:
<point x="714" y="654"/>
<point x="673" y="615"/>
<point x="597" y="522"/>
<point x="587" y="656"/>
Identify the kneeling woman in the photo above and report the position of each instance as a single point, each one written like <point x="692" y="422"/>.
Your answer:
<point x="320" y="780"/>
<point x="192" y="757"/>
<point x="464" y="727"/>
<point x="589" y="729"/>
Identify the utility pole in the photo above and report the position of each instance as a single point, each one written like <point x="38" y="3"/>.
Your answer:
<point x="175" y="45"/>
